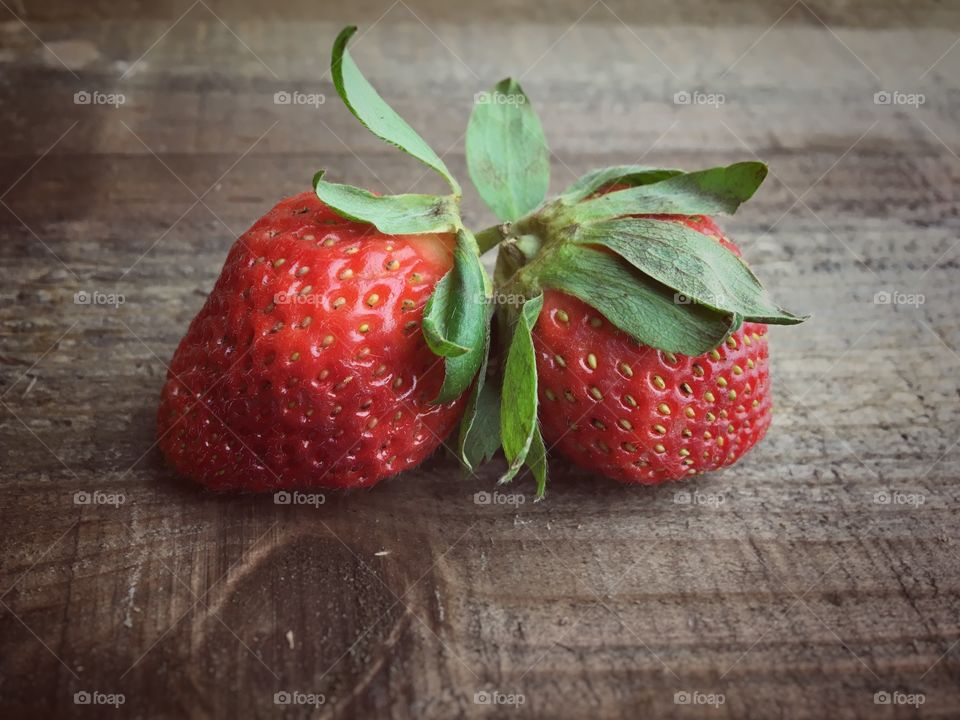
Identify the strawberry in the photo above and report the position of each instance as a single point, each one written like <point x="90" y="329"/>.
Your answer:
<point x="340" y="336"/>
<point x="635" y="333"/>
<point x="306" y="366"/>
<point x="638" y="414"/>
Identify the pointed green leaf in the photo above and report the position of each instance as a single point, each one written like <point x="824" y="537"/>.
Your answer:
<point x="706" y="192"/>
<point x="441" y="316"/>
<point x="695" y="266"/>
<point x="537" y="462"/>
<point x="628" y="175"/>
<point x="457" y="316"/>
<point x="479" y="436"/>
<point x="507" y="154"/>
<point x="372" y="110"/>
<point x="391" y="214"/>
<point x="635" y="303"/>
<point x="518" y="406"/>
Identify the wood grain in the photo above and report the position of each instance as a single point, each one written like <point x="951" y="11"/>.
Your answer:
<point x="784" y="585"/>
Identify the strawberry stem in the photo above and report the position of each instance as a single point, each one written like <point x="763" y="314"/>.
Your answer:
<point x="492" y="236"/>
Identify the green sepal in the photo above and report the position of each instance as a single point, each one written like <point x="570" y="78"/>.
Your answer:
<point x="537" y="462"/>
<point x="391" y="214"/>
<point x="735" y="324"/>
<point x="704" y="192"/>
<point x="694" y="265"/>
<point x="479" y="437"/>
<point x="507" y="155"/>
<point x="442" y="315"/>
<point x="518" y="406"/>
<point x="456" y="315"/>
<point x="632" y="301"/>
<point x="629" y="175"/>
<point x="369" y="108"/>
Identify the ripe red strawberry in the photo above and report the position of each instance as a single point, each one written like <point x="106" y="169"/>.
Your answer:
<point x="307" y="366"/>
<point x="637" y="414"/>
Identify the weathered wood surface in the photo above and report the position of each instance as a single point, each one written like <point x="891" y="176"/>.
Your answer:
<point x="797" y="596"/>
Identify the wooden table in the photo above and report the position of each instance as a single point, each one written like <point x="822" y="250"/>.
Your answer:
<point x="821" y="570"/>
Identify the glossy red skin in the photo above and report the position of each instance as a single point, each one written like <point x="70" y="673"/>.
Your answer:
<point x="618" y="439"/>
<point x="242" y="411"/>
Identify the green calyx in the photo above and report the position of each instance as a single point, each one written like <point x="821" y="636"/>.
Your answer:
<point x="456" y="319"/>
<point x="663" y="283"/>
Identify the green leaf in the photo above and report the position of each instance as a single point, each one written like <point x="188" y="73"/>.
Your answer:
<point x="629" y="175"/>
<point x="706" y="192"/>
<point x="518" y="405"/>
<point x="391" y="214"/>
<point x="537" y="462"/>
<point x="479" y="436"/>
<point x="635" y="303"/>
<point x="697" y="267"/>
<point x="441" y="315"/>
<point x="372" y="110"/>
<point x="456" y="315"/>
<point x="507" y="154"/>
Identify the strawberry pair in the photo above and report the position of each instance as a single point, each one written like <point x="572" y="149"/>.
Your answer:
<point x="349" y="333"/>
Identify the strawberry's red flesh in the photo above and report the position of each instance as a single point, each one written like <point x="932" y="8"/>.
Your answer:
<point x="640" y="415"/>
<point x="307" y="367"/>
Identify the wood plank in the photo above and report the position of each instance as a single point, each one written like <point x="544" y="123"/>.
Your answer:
<point x="785" y="585"/>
